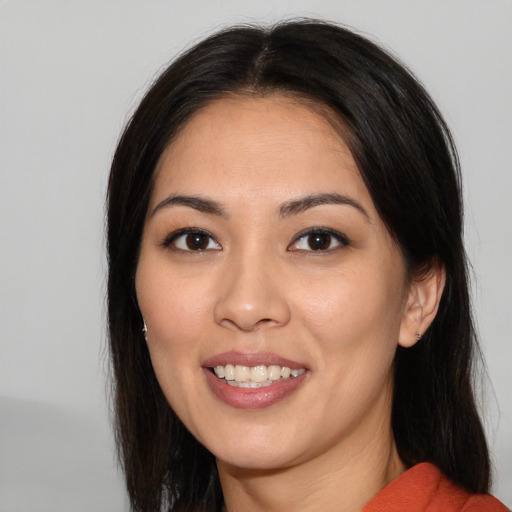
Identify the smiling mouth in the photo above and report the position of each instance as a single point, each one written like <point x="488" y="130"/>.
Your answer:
<point x="259" y="376"/>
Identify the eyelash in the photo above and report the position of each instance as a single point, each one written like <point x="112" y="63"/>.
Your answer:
<point x="340" y="238"/>
<point x="330" y="234"/>
<point x="185" y="232"/>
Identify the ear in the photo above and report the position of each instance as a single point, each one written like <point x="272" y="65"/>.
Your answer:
<point x="421" y="305"/>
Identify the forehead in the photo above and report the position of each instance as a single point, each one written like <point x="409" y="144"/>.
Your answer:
<point x="272" y="145"/>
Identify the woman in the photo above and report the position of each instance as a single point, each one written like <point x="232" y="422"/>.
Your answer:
<point x="288" y="306"/>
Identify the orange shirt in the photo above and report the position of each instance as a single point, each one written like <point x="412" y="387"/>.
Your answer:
<point x="425" y="489"/>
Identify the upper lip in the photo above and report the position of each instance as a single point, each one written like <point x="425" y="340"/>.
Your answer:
<point x="250" y="359"/>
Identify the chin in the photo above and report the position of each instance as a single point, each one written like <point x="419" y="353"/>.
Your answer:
<point x="258" y="451"/>
<point x="252" y="460"/>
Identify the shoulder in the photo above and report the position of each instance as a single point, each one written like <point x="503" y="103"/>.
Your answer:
<point x="484" y="503"/>
<point x="425" y="489"/>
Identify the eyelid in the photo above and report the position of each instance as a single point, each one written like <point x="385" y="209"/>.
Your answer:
<point x="340" y="237"/>
<point x="172" y="237"/>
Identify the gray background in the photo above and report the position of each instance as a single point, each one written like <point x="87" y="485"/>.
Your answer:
<point x="69" y="73"/>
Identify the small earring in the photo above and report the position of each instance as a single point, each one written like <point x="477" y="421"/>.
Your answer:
<point x="418" y="336"/>
<point x="145" y="330"/>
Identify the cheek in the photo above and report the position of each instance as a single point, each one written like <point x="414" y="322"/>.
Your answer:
<point x="351" y="300"/>
<point x="354" y="317"/>
<point x="175" y="317"/>
<point x="174" y="308"/>
<point x="175" y="311"/>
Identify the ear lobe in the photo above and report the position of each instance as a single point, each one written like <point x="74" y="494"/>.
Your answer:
<point x="421" y="305"/>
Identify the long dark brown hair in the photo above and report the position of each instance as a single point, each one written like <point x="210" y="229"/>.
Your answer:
<point x="407" y="159"/>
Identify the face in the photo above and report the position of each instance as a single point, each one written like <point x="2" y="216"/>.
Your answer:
<point x="264" y="260"/>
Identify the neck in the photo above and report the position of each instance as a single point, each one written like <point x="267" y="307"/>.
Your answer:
<point x="342" y="480"/>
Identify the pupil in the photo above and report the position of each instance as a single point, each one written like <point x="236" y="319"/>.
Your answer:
<point x="197" y="241"/>
<point x="319" y="241"/>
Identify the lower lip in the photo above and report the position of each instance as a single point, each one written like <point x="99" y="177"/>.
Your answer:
<point x="252" y="398"/>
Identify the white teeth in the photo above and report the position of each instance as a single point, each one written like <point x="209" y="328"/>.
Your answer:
<point x="248" y="384"/>
<point x="274" y="372"/>
<point x="229" y="372"/>
<point x="256" y="376"/>
<point x="259" y="373"/>
<point x="242" y="373"/>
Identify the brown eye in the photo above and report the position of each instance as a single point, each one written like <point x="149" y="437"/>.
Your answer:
<point x="197" y="241"/>
<point x="191" y="240"/>
<point x="318" y="240"/>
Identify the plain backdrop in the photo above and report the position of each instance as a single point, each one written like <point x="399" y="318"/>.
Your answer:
<point x="70" y="72"/>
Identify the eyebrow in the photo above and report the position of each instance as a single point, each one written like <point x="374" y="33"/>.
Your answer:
<point x="305" y="203"/>
<point x="294" y="207"/>
<point x="197" y="203"/>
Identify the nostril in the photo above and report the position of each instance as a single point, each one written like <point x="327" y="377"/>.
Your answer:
<point x="265" y="322"/>
<point x="247" y="324"/>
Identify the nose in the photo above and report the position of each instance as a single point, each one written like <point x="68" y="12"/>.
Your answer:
<point x="251" y="297"/>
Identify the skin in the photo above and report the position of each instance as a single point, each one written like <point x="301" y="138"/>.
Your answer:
<point x="258" y="287"/>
